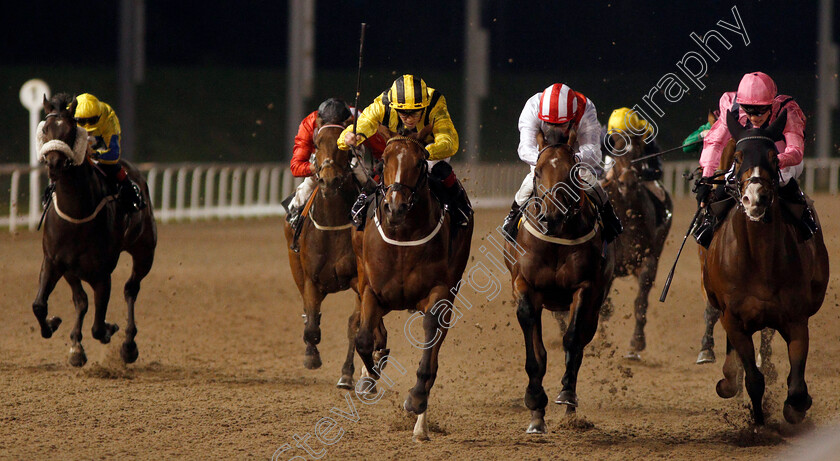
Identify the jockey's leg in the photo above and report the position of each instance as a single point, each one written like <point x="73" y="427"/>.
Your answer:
<point x="302" y="194"/>
<point x="450" y="191"/>
<point x="708" y="221"/>
<point x="793" y="197"/>
<point x="612" y="225"/>
<point x="358" y="212"/>
<point x="128" y="193"/>
<point x="525" y="190"/>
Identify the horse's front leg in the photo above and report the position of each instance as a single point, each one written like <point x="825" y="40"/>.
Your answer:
<point x="582" y="325"/>
<point x="743" y="344"/>
<point x="645" y="276"/>
<point x="312" y="298"/>
<point x="80" y="300"/>
<point x="142" y="264"/>
<point x="529" y="316"/>
<point x="348" y="369"/>
<point x="765" y="355"/>
<point x="798" y="401"/>
<point x="707" y="344"/>
<point x="50" y="275"/>
<point x="436" y="319"/>
<point x="370" y="318"/>
<point x="101" y="295"/>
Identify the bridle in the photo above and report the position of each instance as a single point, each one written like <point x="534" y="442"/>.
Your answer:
<point x="421" y="181"/>
<point x="330" y="162"/>
<point x="572" y="209"/>
<point x="734" y="184"/>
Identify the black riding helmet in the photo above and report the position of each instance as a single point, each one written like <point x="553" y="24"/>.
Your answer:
<point x="334" y="110"/>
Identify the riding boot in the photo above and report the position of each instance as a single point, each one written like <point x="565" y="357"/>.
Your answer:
<point x="609" y="220"/>
<point x="795" y="202"/>
<point x="510" y="225"/>
<point x="128" y="193"/>
<point x="296" y="224"/>
<point x="460" y="208"/>
<point x="704" y="230"/>
<point x="651" y="169"/>
<point x="359" y="210"/>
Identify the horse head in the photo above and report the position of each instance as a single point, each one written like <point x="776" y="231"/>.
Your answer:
<point x="61" y="142"/>
<point x="624" y="148"/>
<point x="405" y="173"/>
<point x="756" y="163"/>
<point x="332" y="165"/>
<point x="560" y="199"/>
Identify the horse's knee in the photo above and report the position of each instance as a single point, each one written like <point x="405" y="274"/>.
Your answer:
<point x="524" y="312"/>
<point x="535" y="398"/>
<point x="131" y="289"/>
<point x="364" y="343"/>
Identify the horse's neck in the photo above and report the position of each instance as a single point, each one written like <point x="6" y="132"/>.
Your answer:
<point x="764" y="242"/>
<point x="335" y="211"/>
<point x="78" y="190"/>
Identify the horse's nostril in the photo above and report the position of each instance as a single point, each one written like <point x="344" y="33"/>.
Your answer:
<point x="746" y="200"/>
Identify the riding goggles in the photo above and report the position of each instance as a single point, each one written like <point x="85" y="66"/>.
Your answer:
<point x="409" y="113"/>
<point x="88" y="120"/>
<point x="755" y="110"/>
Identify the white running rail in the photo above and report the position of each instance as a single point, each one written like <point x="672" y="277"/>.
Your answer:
<point x="200" y="191"/>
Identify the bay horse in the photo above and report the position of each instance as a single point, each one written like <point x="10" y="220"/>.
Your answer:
<point x="326" y="262"/>
<point x="646" y="226"/>
<point x="85" y="230"/>
<point x="759" y="273"/>
<point x="410" y="256"/>
<point x="564" y="265"/>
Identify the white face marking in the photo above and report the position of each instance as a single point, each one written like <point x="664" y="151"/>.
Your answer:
<point x="751" y="197"/>
<point x="553" y="162"/>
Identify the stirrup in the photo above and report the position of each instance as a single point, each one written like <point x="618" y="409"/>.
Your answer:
<point x="704" y="231"/>
<point x="510" y="226"/>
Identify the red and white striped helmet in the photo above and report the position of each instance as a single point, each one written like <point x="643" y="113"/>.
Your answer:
<point x="561" y="104"/>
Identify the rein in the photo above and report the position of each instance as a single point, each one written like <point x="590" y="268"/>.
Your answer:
<point x="89" y="218"/>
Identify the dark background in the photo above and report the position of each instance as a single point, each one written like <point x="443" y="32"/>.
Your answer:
<point x="215" y="71"/>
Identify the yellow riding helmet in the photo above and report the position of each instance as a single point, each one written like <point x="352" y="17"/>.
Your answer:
<point x="88" y="108"/>
<point x="628" y="121"/>
<point x="408" y="93"/>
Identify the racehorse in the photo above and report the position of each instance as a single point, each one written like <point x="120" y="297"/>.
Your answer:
<point x="759" y="273"/>
<point x="85" y="231"/>
<point x="646" y="224"/>
<point x="564" y="265"/>
<point x="410" y="256"/>
<point x="326" y="262"/>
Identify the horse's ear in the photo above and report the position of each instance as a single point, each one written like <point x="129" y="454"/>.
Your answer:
<point x="572" y="136"/>
<point x="385" y="132"/>
<point x="426" y="131"/>
<point x="47" y="106"/>
<point x="735" y="127"/>
<point x="72" y="107"/>
<point x="540" y="140"/>
<point x="773" y="158"/>
<point x="776" y="129"/>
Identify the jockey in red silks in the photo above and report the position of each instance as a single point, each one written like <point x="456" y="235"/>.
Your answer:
<point x="758" y="104"/>
<point x="331" y="111"/>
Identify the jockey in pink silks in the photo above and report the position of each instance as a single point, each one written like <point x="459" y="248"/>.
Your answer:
<point x="758" y="104"/>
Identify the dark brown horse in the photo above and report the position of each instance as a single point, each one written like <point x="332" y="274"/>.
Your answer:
<point x="326" y="263"/>
<point x="647" y="221"/>
<point x="564" y="266"/>
<point x="759" y="273"/>
<point x="409" y="257"/>
<point x="85" y="231"/>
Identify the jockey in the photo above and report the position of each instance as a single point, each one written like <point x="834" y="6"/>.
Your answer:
<point x="330" y="111"/>
<point x="558" y="106"/>
<point x="700" y="133"/>
<point x="407" y="107"/>
<point x="103" y="129"/>
<point x="758" y="104"/>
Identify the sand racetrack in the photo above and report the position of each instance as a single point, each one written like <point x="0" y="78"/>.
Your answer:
<point x="220" y="372"/>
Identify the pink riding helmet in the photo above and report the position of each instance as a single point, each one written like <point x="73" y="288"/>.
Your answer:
<point x="756" y="89"/>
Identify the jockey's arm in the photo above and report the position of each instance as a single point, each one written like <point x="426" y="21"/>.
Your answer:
<point x="794" y="138"/>
<point x="366" y="125"/>
<point x="445" y="144"/>
<point x="589" y="137"/>
<point x="304" y="146"/>
<point x="713" y="145"/>
<point x="529" y="127"/>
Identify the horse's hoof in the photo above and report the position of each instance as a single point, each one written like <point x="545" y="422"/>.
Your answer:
<point x="77" y="357"/>
<point x="705" y="356"/>
<point x="312" y="361"/>
<point x="792" y="415"/>
<point x="638" y="343"/>
<point x="104" y="337"/>
<point x="725" y="389"/>
<point x="129" y="352"/>
<point x="634" y="356"/>
<point x="50" y="326"/>
<point x="567" y="398"/>
<point x="537" y="426"/>
<point x="345" y="382"/>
